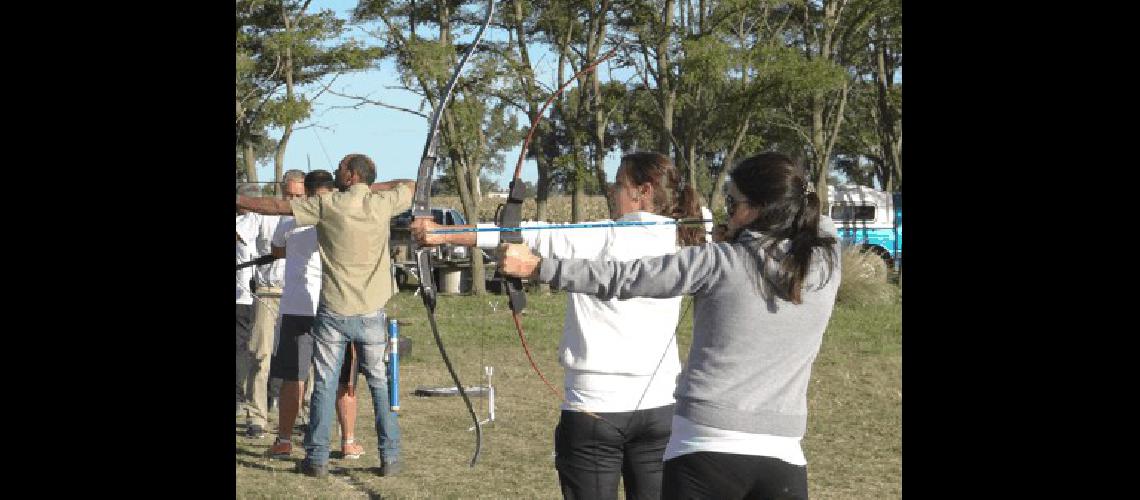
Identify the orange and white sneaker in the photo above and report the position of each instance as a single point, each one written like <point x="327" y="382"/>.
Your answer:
<point x="282" y="450"/>
<point x="351" y="450"/>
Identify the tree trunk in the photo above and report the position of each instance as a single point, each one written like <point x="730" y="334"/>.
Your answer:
<point x="821" y="145"/>
<point x="473" y="173"/>
<point x="578" y="204"/>
<point x="526" y="78"/>
<point x="460" y="171"/>
<point x="594" y="45"/>
<point x="279" y="154"/>
<point x="250" y="158"/>
<point x="889" y="126"/>
<point x="716" y="199"/>
<point x="667" y="95"/>
<point x="691" y="156"/>
<point x="818" y="161"/>
<point x="542" y="193"/>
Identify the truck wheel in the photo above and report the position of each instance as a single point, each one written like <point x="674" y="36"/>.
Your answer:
<point x="883" y="254"/>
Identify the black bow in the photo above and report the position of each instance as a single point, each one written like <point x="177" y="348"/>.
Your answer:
<point x="421" y="208"/>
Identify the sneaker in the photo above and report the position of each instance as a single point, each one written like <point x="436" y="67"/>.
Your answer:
<point x="254" y="432"/>
<point x="352" y="451"/>
<point x="390" y="468"/>
<point x="281" y="450"/>
<point x="308" y="469"/>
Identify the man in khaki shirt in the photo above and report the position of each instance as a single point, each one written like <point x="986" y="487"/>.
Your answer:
<point x="356" y="282"/>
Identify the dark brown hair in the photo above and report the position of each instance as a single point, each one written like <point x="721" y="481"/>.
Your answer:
<point x="789" y="210"/>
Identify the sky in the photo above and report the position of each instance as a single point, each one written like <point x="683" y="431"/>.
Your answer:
<point x="393" y="139"/>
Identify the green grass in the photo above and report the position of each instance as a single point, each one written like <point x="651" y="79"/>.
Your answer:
<point x="853" y="442"/>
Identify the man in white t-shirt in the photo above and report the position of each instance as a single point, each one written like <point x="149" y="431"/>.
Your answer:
<point x="268" y="280"/>
<point x="294" y="353"/>
<point x="245" y="253"/>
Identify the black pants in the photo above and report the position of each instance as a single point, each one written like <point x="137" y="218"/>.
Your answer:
<point x="728" y="476"/>
<point x="592" y="455"/>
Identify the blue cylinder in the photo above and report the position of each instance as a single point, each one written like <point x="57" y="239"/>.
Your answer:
<point x="393" y="366"/>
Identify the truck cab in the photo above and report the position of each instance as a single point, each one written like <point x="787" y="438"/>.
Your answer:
<point x="404" y="260"/>
<point x="868" y="218"/>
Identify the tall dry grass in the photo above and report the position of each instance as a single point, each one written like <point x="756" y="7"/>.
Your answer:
<point x="865" y="279"/>
<point x="558" y="208"/>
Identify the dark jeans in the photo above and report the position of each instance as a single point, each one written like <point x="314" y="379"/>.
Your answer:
<point x="592" y="455"/>
<point x="728" y="476"/>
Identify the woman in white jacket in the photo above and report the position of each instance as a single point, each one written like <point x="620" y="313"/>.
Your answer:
<point x="609" y="370"/>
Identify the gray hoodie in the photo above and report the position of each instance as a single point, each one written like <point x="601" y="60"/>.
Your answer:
<point x="752" y="352"/>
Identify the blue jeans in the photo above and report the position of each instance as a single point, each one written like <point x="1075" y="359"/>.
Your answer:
<point x="331" y="333"/>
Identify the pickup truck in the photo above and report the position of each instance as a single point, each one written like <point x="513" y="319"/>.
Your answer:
<point x="404" y="260"/>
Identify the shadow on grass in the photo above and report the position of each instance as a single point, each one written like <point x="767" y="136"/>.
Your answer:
<point x="343" y="473"/>
<point x="356" y="483"/>
<point x="262" y="466"/>
<point x="252" y="454"/>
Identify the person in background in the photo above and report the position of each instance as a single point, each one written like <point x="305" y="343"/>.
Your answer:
<point x="356" y="282"/>
<point x="294" y="353"/>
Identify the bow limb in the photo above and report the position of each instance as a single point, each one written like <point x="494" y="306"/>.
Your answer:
<point x="511" y="216"/>
<point x="421" y="208"/>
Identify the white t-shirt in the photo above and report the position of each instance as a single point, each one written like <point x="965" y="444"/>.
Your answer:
<point x="611" y="348"/>
<point x="302" y="274"/>
<point x="691" y="437"/>
<point x="247" y="231"/>
<point x="272" y="274"/>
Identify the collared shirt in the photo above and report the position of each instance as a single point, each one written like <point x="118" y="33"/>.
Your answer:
<point x="247" y="231"/>
<point x="272" y="274"/>
<point x="353" y="233"/>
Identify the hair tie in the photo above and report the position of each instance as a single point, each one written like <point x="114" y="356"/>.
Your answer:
<point x="808" y="188"/>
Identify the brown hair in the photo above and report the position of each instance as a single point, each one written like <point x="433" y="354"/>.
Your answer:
<point x="789" y="210"/>
<point x="671" y="197"/>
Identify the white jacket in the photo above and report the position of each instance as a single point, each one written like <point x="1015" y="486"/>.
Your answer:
<point x="610" y="348"/>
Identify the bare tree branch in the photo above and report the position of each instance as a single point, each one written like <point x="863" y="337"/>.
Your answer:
<point x="316" y="125"/>
<point x="322" y="91"/>
<point x="363" y="101"/>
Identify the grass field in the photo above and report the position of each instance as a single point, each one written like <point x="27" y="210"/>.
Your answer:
<point x="853" y="443"/>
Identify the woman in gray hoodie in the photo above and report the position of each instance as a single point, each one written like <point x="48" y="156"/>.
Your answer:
<point x="762" y="300"/>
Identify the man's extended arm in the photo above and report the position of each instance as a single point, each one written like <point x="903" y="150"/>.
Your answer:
<point x="264" y="205"/>
<point x="390" y="185"/>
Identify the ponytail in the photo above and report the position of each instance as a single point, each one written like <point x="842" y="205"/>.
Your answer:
<point x="687" y="206"/>
<point x="790" y="211"/>
<point x="671" y="196"/>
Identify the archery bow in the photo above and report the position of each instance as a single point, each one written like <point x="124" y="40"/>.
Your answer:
<point x="421" y="208"/>
<point x="509" y="224"/>
<point x="511" y="217"/>
<point x="585" y="225"/>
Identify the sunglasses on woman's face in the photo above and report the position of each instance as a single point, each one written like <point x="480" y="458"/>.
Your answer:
<point x="730" y="204"/>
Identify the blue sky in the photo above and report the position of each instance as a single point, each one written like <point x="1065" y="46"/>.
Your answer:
<point x="394" y="139"/>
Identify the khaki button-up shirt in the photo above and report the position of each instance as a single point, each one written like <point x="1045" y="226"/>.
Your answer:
<point x="352" y="233"/>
